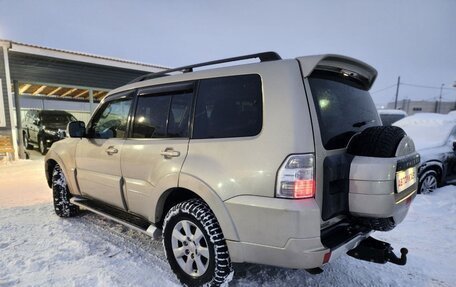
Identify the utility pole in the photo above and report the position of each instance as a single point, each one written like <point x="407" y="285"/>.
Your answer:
<point x="440" y="98"/>
<point x="397" y="91"/>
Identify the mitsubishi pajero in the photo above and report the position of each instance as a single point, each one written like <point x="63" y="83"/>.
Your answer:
<point x="281" y="162"/>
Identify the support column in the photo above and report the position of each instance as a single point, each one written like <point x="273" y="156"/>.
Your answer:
<point x="10" y="102"/>
<point x="20" y="136"/>
<point x="91" y="100"/>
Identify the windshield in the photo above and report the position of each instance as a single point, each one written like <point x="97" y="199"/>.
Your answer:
<point x="343" y="108"/>
<point x="50" y="118"/>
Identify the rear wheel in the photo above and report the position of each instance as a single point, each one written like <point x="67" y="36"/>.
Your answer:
<point x="42" y="146"/>
<point x="62" y="205"/>
<point x="195" y="246"/>
<point x="379" y="224"/>
<point x="428" y="182"/>
<point x="27" y="144"/>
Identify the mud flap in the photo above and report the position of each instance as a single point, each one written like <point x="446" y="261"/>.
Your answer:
<point x="373" y="250"/>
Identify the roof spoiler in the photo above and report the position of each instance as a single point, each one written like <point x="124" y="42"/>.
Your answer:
<point x="347" y="66"/>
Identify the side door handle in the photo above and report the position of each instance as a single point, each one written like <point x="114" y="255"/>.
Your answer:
<point x="111" y="150"/>
<point x="169" y="153"/>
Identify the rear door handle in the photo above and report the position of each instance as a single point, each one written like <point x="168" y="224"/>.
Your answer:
<point x="111" y="150"/>
<point x="169" y="153"/>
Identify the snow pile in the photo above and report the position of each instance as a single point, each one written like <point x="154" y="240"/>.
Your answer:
<point x="428" y="129"/>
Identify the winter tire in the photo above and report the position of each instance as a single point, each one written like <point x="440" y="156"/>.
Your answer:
<point x="62" y="205"/>
<point x="379" y="224"/>
<point x="27" y="145"/>
<point x="376" y="142"/>
<point x="381" y="141"/>
<point x="428" y="182"/>
<point x="42" y="146"/>
<point x="194" y="245"/>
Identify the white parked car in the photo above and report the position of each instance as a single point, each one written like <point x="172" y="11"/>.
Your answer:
<point x="434" y="136"/>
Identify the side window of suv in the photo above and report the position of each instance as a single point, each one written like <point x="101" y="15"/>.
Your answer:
<point x="111" y="120"/>
<point x="229" y="107"/>
<point x="31" y="117"/>
<point x="162" y="116"/>
<point x="27" y="117"/>
<point x="35" y="118"/>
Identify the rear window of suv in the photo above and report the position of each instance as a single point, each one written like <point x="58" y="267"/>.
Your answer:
<point x="228" y="107"/>
<point x="343" y="108"/>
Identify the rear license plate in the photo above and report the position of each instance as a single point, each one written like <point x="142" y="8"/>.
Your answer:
<point x="405" y="179"/>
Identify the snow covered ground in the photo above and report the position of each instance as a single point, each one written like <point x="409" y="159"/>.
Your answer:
<point x="39" y="249"/>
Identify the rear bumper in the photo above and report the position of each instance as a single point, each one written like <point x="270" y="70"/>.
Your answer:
<point x="297" y="253"/>
<point x="285" y="233"/>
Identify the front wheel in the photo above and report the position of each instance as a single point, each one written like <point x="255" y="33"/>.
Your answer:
<point x="62" y="205"/>
<point x="195" y="246"/>
<point x="27" y="144"/>
<point x="428" y="182"/>
<point x="42" y="146"/>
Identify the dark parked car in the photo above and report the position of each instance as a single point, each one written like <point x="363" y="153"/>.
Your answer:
<point x="391" y="116"/>
<point x="434" y="136"/>
<point x="42" y="128"/>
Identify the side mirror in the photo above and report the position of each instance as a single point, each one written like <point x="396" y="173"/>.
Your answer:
<point x="454" y="145"/>
<point x="76" y="129"/>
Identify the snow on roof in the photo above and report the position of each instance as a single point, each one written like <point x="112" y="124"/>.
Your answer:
<point x="428" y="129"/>
<point x="391" y="112"/>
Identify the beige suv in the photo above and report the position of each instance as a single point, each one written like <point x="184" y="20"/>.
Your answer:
<point x="281" y="162"/>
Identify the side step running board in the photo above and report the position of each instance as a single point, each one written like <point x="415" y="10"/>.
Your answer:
<point x="119" y="216"/>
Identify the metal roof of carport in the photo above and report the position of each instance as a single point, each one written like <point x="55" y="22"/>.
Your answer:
<point x="42" y="71"/>
<point x="69" y="91"/>
<point x="52" y="72"/>
<point x="81" y="57"/>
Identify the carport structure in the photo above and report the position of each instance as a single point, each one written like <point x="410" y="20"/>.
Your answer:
<point x="29" y="72"/>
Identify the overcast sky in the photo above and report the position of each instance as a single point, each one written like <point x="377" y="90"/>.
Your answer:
<point x="413" y="39"/>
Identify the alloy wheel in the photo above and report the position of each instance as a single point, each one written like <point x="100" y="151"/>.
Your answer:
<point x="190" y="248"/>
<point x="429" y="184"/>
<point x="42" y="148"/>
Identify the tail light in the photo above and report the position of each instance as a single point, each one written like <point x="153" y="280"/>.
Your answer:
<point x="327" y="257"/>
<point x="296" y="177"/>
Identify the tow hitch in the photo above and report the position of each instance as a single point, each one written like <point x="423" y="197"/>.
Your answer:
<point x="373" y="250"/>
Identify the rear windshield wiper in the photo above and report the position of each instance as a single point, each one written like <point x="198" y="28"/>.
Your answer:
<point x="363" y="123"/>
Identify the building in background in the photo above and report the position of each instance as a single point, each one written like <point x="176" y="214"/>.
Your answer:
<point x="33" y="77"/>
<point x="412" y="107"/>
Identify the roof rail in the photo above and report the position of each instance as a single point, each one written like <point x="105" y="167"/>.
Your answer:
<point x="264" y="57"/>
